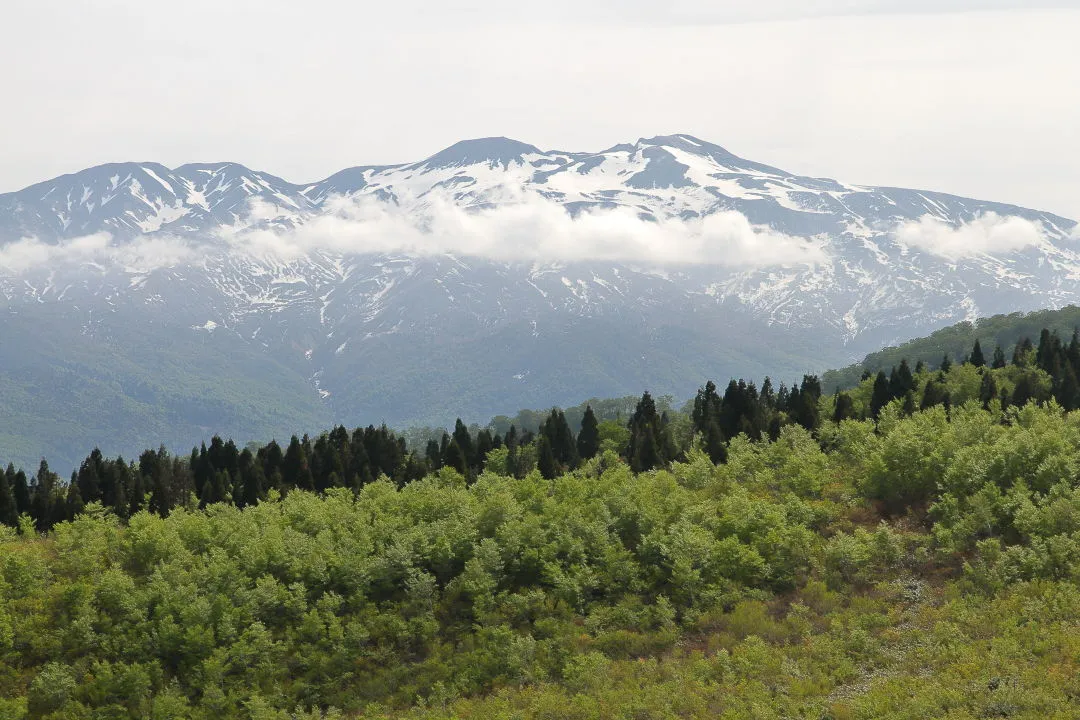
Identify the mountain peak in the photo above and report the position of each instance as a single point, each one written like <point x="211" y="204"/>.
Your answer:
<point x="493" y="150"/>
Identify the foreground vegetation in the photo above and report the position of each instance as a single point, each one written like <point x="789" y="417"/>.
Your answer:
<point x="907" y="550"/>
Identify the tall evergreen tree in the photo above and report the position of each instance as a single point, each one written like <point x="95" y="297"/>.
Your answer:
<point x="1024" y="392"/>
<point x="464" y="442"/>
<point x="843" y="407"/>
<point x="881" y="394"/>
<point x="588" y="439"/>
<point x="1024" y="354"/>
<point x="999" y="358"/>
<point x="706" y="406"/>
<point x="807" y="413"/>
<point x="455" y="458"/>
<point x="977" y="359"/>
<point x="561" y="440"/>
<point x="20" y="489"/>
<point x="545" y="458"/>
<point x="946" y="364"/>
<point x="9" y="514"/>
<point x="988" y="389"/>
<point x="1068" y="389"/>
<point x="935" y="393"/>
<point x="644" y="451"/>
<point x="432" y="455"/>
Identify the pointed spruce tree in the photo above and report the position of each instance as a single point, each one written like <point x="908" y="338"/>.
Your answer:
<point x="977" y="359"/>
<point x="881" y="394"/>
<point x="843" y="407"/>
<point x="988" y="390"/>
<point x="999" y="358"/>
<point x="644" y="451"/>
<point x="545" y="458"/>
<point x="9" y="514"/>
<point x="588" y="440"/>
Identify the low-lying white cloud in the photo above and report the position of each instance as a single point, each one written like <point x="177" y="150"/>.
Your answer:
<point x="143" y="254"/>
<point x="531" y="228"/>
<point x="989" y="234"/>
<point x="527" y="228"/>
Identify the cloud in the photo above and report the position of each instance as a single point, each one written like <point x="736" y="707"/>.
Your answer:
<point x="523" y="227"/>
<point x="143" y="254"/>
<point x="529" y="228"/>
<point x="989" y="234"/>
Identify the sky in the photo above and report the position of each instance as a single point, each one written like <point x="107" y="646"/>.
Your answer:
<point x="977" y="98"/>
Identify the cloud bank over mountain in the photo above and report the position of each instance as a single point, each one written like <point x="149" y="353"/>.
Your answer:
<point x="531" y="229"/>
<point x="989" y="234"/>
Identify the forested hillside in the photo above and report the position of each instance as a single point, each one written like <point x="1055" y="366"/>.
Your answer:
<point x="956" y="341"/>
<point x="908" y="549"/>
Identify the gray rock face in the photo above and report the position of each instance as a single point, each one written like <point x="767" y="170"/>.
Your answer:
<point x="129" y="349"/>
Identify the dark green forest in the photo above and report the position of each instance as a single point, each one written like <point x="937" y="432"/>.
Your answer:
<point x="906" y="548"/>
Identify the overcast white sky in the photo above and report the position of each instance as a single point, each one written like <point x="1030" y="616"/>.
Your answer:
<point x="975" y="97"/>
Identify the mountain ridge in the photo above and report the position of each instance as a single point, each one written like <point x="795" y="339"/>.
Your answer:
<point x="490" y="269"/>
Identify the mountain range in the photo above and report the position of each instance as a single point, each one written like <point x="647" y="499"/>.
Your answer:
<point x="143" y="302"/>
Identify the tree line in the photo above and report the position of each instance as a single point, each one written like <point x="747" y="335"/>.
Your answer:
<point x="221" y="472"/>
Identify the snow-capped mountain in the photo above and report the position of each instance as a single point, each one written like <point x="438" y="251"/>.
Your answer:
<point x="272" y="306"/>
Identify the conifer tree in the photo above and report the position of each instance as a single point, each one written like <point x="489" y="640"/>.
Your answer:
<point x="946" y="364"/>
<point x="644" y="449"/>
<point x="464" y="442"/>
<point x="977" y="359"/>
<point x="588" y="439"/>
<point x="545" y="458"/>
<point x="484" y="444"/>
<point x="561" y="439"/>
<point x="89" y="477"/>
<point x="1024" y="353"/>
<point x="988" y="390"/>
<point x="715" y="442"/>
<point x="843" y="407"/>
<point x="1068" y="395"/>
<point x="20" y="489"/>
<point x="807" y="413"/>
<point x="73" y="505"/>
<point x="432" y="455"/>
<point x="999" y="358"/>
<point x="9" y="514"/>
<point x="455" y="458"/>
<point x="768" y="396"/>
<point x="881" y="394"/>
<point x="706" y="407"/>
<point x="935" y="393"/>
<point x="906" y="381"/>
<point x="1024" y="391"/>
